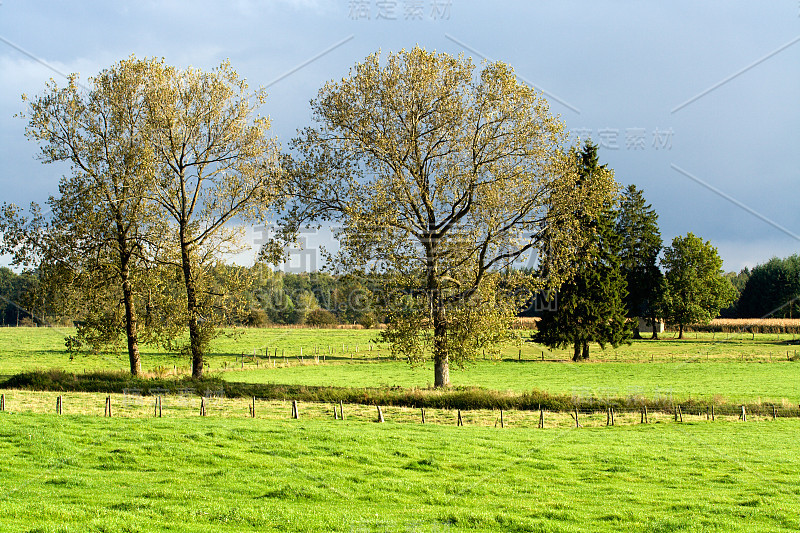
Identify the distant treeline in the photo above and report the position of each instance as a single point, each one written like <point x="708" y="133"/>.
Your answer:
<point x="16" y="297"/>
<point x="268" y="297"/>
<point x="770" y="290"/>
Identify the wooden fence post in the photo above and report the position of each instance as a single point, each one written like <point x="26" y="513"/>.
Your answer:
<point x="335" y="413"/>
<point x="295" y="412"/>
<point x="341" y="409"/>
<point x="502" y="420"/>
<point x="541" y="418"/>
<point x="253" y="408"/>
<point x="712" y="413"/>
<point x="108" y="407"/>
<point x="422" y="412"/>
<point x="774" y="413"/>
<point x="743" y="416"/>
<point x="59" y="405"/>
<point x="460" y="422"/>
<point x="380" y="414"/>
<point x="202" y="406"/>
<point x="612" y="416"/>
<point x="577" y="425"/>
<point x="608" y="416"/>
<point x="680" y="414"/>
<point x="2" y="402"/>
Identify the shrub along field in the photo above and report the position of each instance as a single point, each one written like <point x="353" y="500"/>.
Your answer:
<point x="80" y="471"/>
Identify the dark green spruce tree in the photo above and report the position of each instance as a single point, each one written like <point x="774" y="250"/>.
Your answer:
<point x="590" y="307"/>
<point x="637" y="226"/>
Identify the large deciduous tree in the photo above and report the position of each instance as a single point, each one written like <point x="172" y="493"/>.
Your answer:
<point x="637" y="225"/>
<point x="590" y="305"/>
<point x="215" y="166"/>
<point x="696" y="286"/>
<point x="441" y="178"/>
<point x="99" y="222"/>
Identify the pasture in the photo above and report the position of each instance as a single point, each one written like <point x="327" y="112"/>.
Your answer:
<point x="86" y="473"/>
<point x="228" y="471"/>
<point x="722" y="367"/>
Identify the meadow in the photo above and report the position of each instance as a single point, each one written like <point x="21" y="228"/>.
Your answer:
<point x="87" y="473"/>
<point x="708" y="366"/>
<point x="230" y="471"/>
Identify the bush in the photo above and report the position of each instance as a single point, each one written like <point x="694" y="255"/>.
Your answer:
<point x="257" y="318"/>
<point x="367" y="320"/>
<point x="320" y="318"/>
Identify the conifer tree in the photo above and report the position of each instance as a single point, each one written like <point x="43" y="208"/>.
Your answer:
<point x="590" y="306"/>
<point x="637" y="225"/>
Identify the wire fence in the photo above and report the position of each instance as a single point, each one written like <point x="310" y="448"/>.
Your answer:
<point x="213" y="404"/>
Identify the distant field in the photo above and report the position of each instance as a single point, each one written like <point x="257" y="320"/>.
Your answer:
<point x="42" y="348"/>
<point x="724" y="381"/>
<point x="26" y="348"/>
<point x="702" y="366"/>
<point x="78" y="473"/>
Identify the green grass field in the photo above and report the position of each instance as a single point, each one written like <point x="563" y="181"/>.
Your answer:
<point x="724" y="381"/>
<point x="706" y="367"/>
<point x="83" y="473"/>
<point x="228" y="472"/>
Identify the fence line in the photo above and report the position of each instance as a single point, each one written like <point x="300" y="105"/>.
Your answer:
<point x="213" y="405"/>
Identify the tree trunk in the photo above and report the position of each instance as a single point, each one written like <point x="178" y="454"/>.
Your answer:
<point x="195" y="336"/>
<point x="576" y="356"/>
<point x="680" y="331"/>
<point x="131" y="322"/>
<point x="655" y="330"/>
<point x="441" y="360"/>
<point x="585" y="354"/>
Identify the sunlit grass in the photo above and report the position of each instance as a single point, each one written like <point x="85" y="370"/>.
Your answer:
<point x="71" y="472"/>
